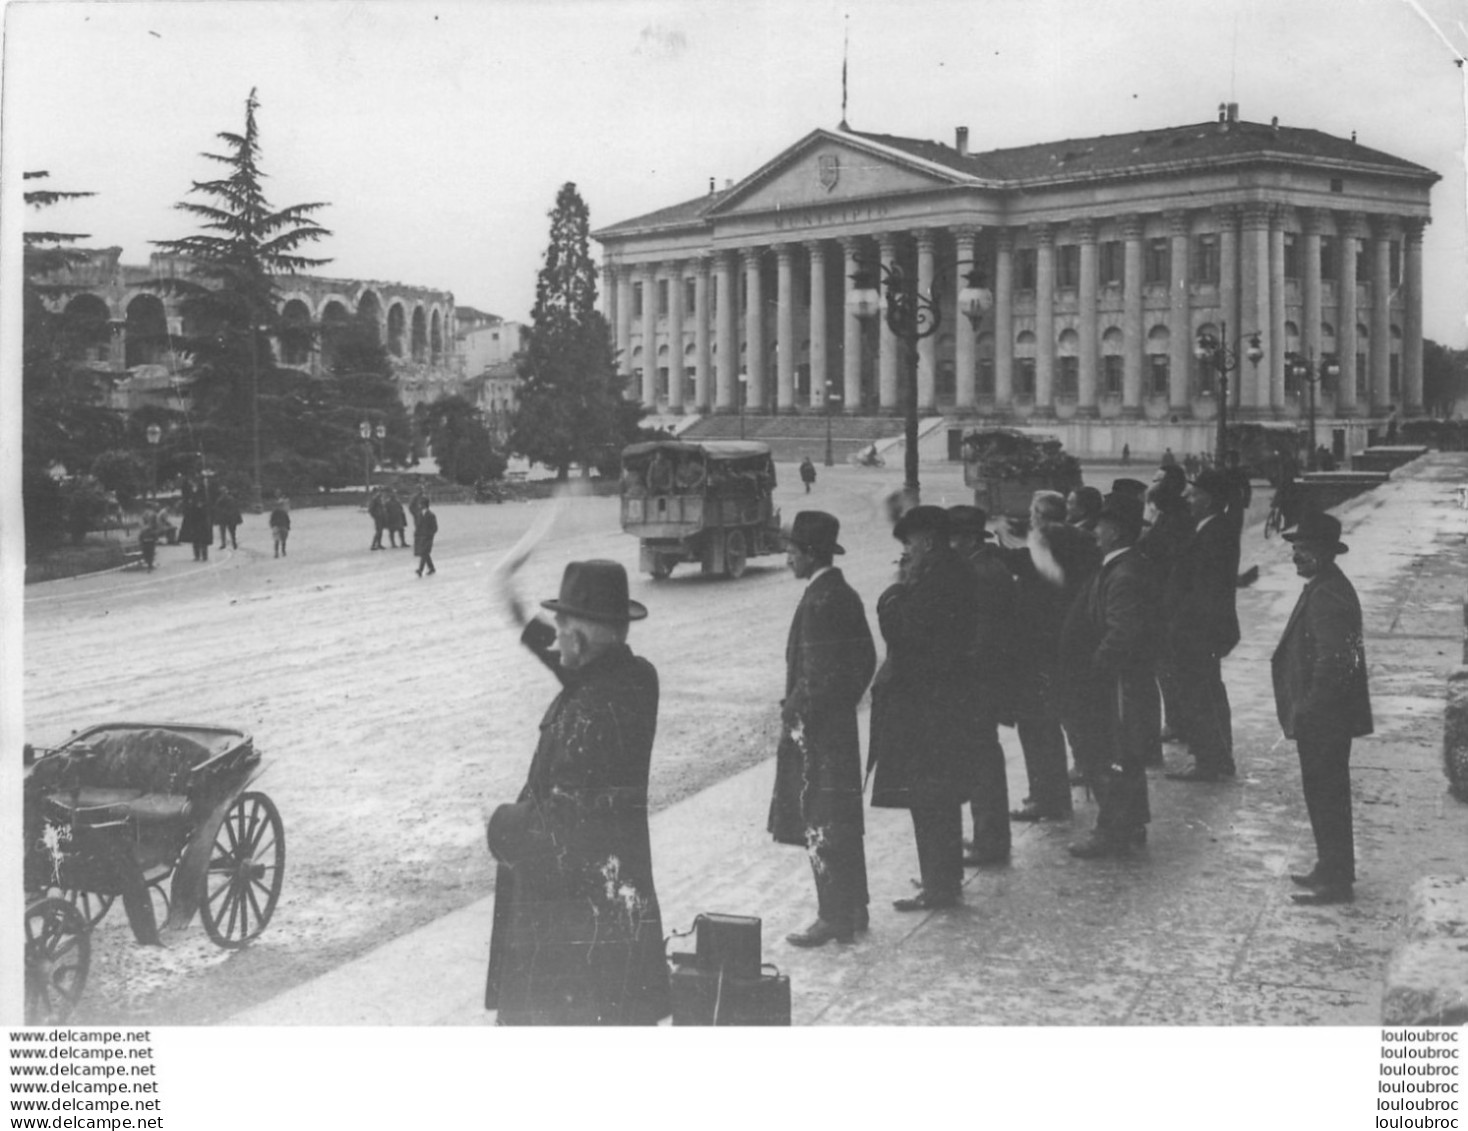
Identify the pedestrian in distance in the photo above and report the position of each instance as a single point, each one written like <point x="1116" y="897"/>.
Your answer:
<point x="148" y="535"/>
<point x="377" y="509"/>
<point x="196" y="528"/>
<point x="817" y="801"/>
<point x="423" y="538"/>
<point x="578" y="935"/>
<point x="1126" y="455"/>
<point x="397" y="521"/>
<point x="1323" y="701"/>
<point x="922" y="754"/>
<point x="280" y="524"/>
<point x="416" y="505"/>
<point x="807" y="473"/>
<point x="227" y="516"/>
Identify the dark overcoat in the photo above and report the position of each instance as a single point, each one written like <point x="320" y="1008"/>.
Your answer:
<point x="995" y="645"/>
<point x="1202" y="618"/>
<point x="227" y="512"/>
<point x="923" y="713"/>
<point x="578" y="935"/>
<point x="1320" y="679"/>
<point x="424" y="533"/>
<point x="829" y="660"/>
<point x="397" y="518"/>
<point x="1049" y="571"/>
<point x="196" y="527"/>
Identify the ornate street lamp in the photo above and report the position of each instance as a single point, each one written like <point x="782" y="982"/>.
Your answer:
<point x="1312" y="373"/>
<point x="826" y="404"/>
<point x="365" y="431"/>
<point x="911" y="316"/>
<point x="1215" y="352"/>
<point x="154" y="434"/>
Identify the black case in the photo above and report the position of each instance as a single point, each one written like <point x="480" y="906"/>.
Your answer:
<point x="715" y="997"/>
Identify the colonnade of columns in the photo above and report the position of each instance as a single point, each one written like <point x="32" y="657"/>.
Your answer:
<point x="1148" y="323"/>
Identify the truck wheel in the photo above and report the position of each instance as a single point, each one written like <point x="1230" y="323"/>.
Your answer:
<point x="736" y="552"/>
<point x="662" y="566"/>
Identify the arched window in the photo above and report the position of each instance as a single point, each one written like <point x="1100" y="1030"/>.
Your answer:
<point x="334" y="322"/>
<point x="420" y="334"/>
<point x="396" y="329"/>
<point x="1024" y="365"/>
<point x="87" y="333"/>
<point x="1068" y="359"/>
<point x="147" y="332"/>
<point x="435" y="338"/>
<point x="295" y="333"/>
<point x="369" y="313"/>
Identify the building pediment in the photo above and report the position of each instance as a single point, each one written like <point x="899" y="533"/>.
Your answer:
<point x="829" y="168"/>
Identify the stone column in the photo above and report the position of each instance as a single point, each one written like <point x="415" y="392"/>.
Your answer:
<point x="1090" y="342"/>
<point x="675" y="336"/>
<point x="850" y="330"/>
<point x="1381" y="321"/>
<point x="1254" y="304"/>
<point x="1310" y="342"/>
<point x="754" y="330"/>
<point x="726" y="334"/>
<point x="1134" y="329"/>
<point x="1412" y="321"/>
<point x="609" y="296"/>
<point x="1350" y="226"/>
<point x="927" y="372"/>
<point x="1275" y="346"/>
<point x="624" y="321"/>
<point x="1044" y="318"/>
<point x="887" y="361"/>
<point x="1179" y="318"/>
<point x="785" y="344"/>
<point x="701" y="383"/>
<point x="1228" y="279"/>
<point x="1004" y="319"/>
<point x="819" y="366"/>
<point x="650" y="336"/>
<point x="963" y="331"/>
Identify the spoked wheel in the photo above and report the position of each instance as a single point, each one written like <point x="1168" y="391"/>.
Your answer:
<point x="736" y="553"/>
<point x="58" y="953"/>
<point x="246" y="869"/>
<point x="91" y="904"/>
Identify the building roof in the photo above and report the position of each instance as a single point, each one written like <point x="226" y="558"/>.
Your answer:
<point x="690" y="212"/>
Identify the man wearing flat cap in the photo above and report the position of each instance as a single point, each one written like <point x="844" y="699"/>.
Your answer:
<point x="1107" y="650"/>
<point x="578" y="936"/>
<point x="817" y="803"/>
<point x="1323" y="701"/>
<point x="992" y="660"/>
<point x="922" y="702"/>
<point x="1203" y="628"/>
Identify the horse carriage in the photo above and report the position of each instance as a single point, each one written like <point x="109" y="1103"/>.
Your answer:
<point x="159" y="815"/>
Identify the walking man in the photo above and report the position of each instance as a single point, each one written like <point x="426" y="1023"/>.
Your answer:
<point x="377" y="508"/>
<point x="280" y="524"/>
<point x="423" y="538"/>
<point x="817" y="803"/>
<point x="228" y="516"/>
<point x="807" y="473"/>
<point x="922" y="702"/>
<point x="396" y="520"/>
<point x="1323" y="701"/>
<point x="578" y="934"/>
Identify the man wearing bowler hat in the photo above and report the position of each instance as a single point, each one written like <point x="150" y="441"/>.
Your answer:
<point x="829" y="660"/>
<point x="1323" y="701"/>
<point x="578" y="936"/>
<point x="922" y="702"/>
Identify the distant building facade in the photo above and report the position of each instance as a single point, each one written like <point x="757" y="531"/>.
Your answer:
<point x="1106" y="258"/>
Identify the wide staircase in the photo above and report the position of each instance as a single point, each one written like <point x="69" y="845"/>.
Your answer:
<point x="791" y="437"/>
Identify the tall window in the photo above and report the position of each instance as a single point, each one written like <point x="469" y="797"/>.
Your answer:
<point x="1024" y="376"/>
<point x="1328" y="258"/>
<point x="1069" y="364"/>
<point x="636" y="300"/>
<point x="1363" y="266"/>
<point x="1291" y="255"/>
<point x="1396" y="263"/>
<point x="1157" y="263"/>
<point x="1111" y="363"/>
<point x="986" y="377"/>
<point x="1024" y="269"/>
<point x="662" y="297"/>
<point x="1113" y="263"/>
<point x="1158" y="368"/>
<point x="1205" y="259"/>
<point x="1068" y="265"/>
<point x="690" y="297"/>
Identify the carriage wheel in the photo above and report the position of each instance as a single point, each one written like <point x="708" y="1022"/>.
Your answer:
<point x="93" y="905"/>
<point x="246" y="869"/>
<point x="736" y="553"/>
<point x="58" y="953"/>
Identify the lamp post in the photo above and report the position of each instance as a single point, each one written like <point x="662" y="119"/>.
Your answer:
<point x="1215" y="352"/>
<point x="826" y="404"/>
<point x="743" y="391"/>
<point x="365" y="431"/>
<point x="911" y="316"/>
<point x="154" y="434"/>
<point x="1312" y="373"/>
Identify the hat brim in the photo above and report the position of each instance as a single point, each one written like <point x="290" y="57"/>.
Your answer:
<point x="636" y="610"/>
<point x="1294" y="536"/>
<point x="787" y="541"/>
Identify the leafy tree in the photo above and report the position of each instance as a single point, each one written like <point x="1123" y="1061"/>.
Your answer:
<point x="124" y="473"/>
<point x="571" y="407"/>
<point x="1444" y="377"/>
<point x="460" y="441"/>
<point x="230" y="303"/>
<point x="362" y="371"/>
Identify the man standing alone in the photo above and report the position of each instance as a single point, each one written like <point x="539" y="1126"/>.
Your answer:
<point x="829" y="660"/>
<point x="423" y="536"/>
<point x="1323" y="701"/>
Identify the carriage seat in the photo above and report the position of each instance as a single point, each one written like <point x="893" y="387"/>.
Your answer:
<point x="97" y="805"/>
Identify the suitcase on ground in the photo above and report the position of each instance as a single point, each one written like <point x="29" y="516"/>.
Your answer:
<point x="717" y="997"/>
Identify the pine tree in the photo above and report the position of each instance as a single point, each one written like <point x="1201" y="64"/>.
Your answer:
<point x="570" y="405"/>
<point x="230" y="303"/>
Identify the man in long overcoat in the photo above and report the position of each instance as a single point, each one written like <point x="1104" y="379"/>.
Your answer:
<point x="423" y="535"/>
<point x="377" y="509"/>
<point x="578" y="935"/>
<point x="1162" y="542"/>
<point x="922" y="702"/>
<point x="829" y="660"/>
<point x="197" y="527"/>
<point x="1107" y="650"/>
<point x="396" y="520"/>
<point x="1203" y="628"/>
<point x="1323" y="701"/>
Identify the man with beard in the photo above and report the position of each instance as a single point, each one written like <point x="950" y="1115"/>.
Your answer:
<point x="1323" y="701"/>
<point x="1106" y="653"/>
<point x="829" y="660"/>
<point x="578" y="936"/>
<point x="922" y="702"/>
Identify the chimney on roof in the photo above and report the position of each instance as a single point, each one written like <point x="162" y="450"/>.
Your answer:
<point x="1274" y="124"/>
<point x="960" y="141"/>
<point x="1353" y="137"/>
<point x="1233" y="111"/>
<point x="711" y="186"/>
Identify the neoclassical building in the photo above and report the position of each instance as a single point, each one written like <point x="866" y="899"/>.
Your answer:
<point x="1106" y="257"/>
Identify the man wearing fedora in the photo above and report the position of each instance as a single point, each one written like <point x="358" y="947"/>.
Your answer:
<point x="1107" y="650"/>
<point x="1323" y="701"/>
<point x="829" y="660"/>
<point x="992" y="660"/>
<point x="1203" y="628"/>
<point x="578" y="935"/>
<point x="922" y="702"/>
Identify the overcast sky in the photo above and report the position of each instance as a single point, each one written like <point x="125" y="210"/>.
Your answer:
<point x="439" y="133"/>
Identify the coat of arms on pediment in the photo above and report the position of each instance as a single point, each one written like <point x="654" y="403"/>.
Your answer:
<point x="828" y="170"/>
